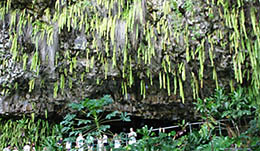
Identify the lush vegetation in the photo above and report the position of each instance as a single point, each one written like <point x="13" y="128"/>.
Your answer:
<point x="228" y="120"/>
<point x="94" y="122"/>
<point x="173" y="45"/>
<point x="17" y="133"/>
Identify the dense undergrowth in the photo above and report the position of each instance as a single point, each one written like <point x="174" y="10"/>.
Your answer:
<point x="227" y="120"/>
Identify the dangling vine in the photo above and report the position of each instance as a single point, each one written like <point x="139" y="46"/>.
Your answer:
<point x="133" y="36"/>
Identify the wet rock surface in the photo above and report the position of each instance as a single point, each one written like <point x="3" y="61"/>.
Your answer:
<point x="93" y="84"/>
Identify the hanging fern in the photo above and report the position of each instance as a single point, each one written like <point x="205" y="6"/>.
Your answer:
<point x="152" y="35"/>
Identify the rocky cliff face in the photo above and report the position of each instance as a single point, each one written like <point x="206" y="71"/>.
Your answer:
<point x="153" y="57"/>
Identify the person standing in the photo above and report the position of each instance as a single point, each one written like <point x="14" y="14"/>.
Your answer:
<point x="100" y="143"/>
<point x="8" y="148"/>
<point x="80" y="142"/>
<point x="27" y="147"/>
<point x="68" y="146"/>
<point x="117" y="143"/>
<point x="60" y="141"/>
<point x="132" y="136"/>
<point x="105" y="142"/>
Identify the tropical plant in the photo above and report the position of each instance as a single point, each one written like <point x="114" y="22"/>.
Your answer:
<point x="234" y="105"/>
<point x="91" y="118"/>
<point x="19" y="132"/>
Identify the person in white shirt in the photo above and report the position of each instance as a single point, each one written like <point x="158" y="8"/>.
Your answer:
<point x="27" y="147"/>
<point x="132" y="136"/>
<point x="117" y="143"/>
<point x="68" y="146"/>
<point x="100" y="143"/>
<point x="105" y="142"/>
<point x="8" y="148"/>
<point x="80" y="142"/>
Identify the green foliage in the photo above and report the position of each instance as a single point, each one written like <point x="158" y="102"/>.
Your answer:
<point x="50" y="143"/>
<point x="233" y="105"/>
<point x="150" y="141"/>
<point x="19" y="132"/>
<point x="217" y="143"/>
<point x="91" y="119"/>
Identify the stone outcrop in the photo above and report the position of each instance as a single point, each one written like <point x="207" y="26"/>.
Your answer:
<point x="19" y="96"/>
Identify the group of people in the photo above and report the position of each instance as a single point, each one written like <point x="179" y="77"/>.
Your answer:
<point x="27" y="147"/>
<point x="100" y="143"/>
<point x="10" y="148"/>
<point x="80" y="142"/>
<point x="90" y="143"/>
<point x="131" y="136"/>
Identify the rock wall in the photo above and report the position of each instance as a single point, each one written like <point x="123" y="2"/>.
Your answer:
<point x="193" y="51"/>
